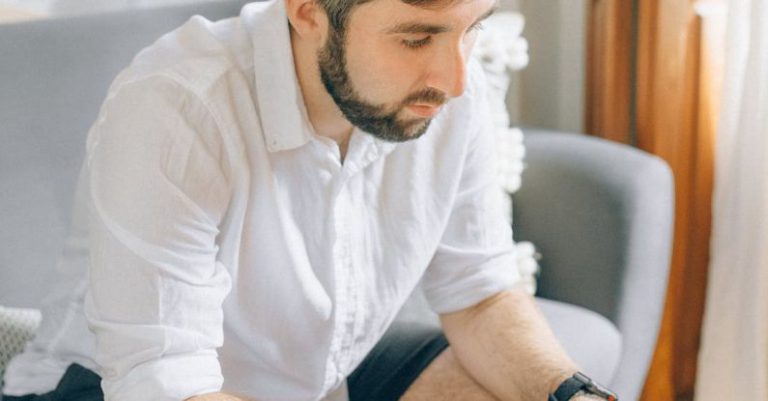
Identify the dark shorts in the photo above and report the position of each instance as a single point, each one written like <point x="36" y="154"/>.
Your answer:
<point x="384" y="375"/>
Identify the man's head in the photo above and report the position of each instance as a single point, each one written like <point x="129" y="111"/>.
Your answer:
<point x="389" y="65"/>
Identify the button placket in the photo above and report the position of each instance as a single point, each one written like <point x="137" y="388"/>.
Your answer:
<point x="351" y="283"/>
<point x="349" y="302"/>
<point x="344" y="279"/>
<point x="358" y="272"/>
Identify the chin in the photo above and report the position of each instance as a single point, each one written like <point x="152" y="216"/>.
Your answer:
<point x="417" y="128"/>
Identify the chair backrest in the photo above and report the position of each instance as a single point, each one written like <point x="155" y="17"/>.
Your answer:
<point x="54" y="74"/>
<point x="601" y="214"/>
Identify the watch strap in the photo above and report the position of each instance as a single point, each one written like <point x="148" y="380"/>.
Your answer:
<point x="581" y="382"/>
<point x="567" y="389"/>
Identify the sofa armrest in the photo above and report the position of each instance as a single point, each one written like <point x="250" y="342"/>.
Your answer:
<point x="601" y="215"/>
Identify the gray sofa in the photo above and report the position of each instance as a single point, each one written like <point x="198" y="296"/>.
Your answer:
<point x="600" y="213"/>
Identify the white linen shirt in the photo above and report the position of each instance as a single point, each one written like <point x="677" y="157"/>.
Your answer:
<point x="219" y="244"/>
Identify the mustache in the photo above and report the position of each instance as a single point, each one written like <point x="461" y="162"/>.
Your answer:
<point x="429" y="95"/>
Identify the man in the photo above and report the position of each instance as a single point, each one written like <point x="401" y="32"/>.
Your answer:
<point x="261" y="195"/>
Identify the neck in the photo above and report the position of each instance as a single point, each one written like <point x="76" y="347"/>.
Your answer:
<point x="325" y="117"/>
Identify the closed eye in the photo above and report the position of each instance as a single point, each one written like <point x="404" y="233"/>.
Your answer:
<point x="415" y="44"/>
<point x="477" y="26"/>
<point x="419" y="43"/>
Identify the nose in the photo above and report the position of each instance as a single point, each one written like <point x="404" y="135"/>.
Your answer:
<point x="448" y="71"/>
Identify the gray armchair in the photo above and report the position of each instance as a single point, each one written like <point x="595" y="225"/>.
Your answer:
<point x="600" y="213"/>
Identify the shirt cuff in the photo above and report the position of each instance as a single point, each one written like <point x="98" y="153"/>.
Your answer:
<point x="173" y="378"/>
<point x="496" y="276"/>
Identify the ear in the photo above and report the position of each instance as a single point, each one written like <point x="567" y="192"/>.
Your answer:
<point x="308" y="19"/>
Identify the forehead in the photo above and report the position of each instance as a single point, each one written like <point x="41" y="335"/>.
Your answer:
<point x="381" y="15"/>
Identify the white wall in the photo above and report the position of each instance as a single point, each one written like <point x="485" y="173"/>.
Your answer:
<point x="551" y="89"/>
<point x="74" y="7"/>
<point x="33" y="6"/>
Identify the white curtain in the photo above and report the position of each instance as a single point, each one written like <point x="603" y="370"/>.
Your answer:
<point x="733" y="360"/>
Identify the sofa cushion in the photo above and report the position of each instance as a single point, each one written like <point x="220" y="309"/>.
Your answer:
<point x="588" y="337"/>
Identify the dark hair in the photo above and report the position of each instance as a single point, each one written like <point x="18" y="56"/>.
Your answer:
<point x="338" y="10"/>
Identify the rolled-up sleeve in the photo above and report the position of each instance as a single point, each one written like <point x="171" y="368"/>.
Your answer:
<point x="159" y="190"/>
<point x="475" y="258"/>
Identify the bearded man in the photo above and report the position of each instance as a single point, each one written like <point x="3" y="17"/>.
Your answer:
<point x="261" y="195"/>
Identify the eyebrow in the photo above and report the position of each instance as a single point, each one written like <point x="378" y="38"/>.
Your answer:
<point x="420" y="27"/>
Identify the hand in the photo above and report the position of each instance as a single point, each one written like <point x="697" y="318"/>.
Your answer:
<point x="216" y="397"/>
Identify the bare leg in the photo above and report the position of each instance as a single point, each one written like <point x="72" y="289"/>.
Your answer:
<point x="446" y="380"/>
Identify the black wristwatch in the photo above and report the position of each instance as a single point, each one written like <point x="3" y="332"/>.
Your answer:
<point x="579" y="382"/>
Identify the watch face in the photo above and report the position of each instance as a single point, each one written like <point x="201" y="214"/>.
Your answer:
<point x="589" y="386"/>
<point x="582" y="395"/>
<point x="590" y="396"/>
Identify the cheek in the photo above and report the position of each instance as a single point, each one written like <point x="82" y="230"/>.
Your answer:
<point x="380" y="73"/>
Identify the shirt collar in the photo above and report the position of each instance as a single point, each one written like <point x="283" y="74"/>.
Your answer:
<point x="278" y="94"/>
<point x="282" y="110"/>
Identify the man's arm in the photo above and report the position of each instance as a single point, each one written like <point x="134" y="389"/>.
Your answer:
<point x="506" y="345"/>
<point x="156" y="286"/>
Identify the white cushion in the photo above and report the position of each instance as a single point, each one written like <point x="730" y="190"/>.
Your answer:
<point x="17" y="327"/>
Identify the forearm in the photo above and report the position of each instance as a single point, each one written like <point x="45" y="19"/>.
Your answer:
<point x="507" y="346"/>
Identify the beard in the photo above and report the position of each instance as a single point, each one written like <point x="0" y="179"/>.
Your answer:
<point x="378" y="120"/>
